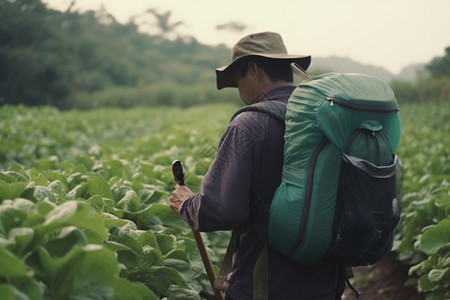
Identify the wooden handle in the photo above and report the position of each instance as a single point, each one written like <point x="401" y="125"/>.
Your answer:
<point x="178" y="174"/>
<point x="207" y="263"/>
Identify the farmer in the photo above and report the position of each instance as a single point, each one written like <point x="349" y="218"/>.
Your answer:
<point x="239" y="186"/>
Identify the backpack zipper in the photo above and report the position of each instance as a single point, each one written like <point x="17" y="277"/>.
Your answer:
<point x="358" y="132"/>
<point x="307" y="203"/>
<point x="359" y="107"/>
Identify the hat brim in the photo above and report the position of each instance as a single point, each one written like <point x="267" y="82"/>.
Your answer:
<point x="225" y="74"/>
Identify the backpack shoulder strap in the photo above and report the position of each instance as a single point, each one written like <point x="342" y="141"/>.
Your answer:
<point x="273" y="108"/>
<point x="228" y="258"/>
<point x="276" y="109"/>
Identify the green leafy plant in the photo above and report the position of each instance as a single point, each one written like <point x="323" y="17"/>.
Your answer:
<point x="83" y="201"/>
<point x="84" y="212"/>
<point x="423" y="239"/>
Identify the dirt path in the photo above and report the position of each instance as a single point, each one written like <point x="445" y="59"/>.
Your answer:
<point x="384" y="280"/>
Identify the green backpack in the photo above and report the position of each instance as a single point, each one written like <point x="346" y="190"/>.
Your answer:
<point x="338" y="201"/>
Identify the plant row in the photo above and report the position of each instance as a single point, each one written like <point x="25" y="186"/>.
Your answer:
<point x="83" y="201"/>
<point x="424" y="236"/>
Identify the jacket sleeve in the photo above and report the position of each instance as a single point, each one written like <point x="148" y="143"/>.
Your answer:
<point x="224" y="200"/>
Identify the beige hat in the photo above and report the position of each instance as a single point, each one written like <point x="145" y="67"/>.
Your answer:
<point x="264" y="44"/>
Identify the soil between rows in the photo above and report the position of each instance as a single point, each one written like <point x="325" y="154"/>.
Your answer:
<point x="383" y="280"/>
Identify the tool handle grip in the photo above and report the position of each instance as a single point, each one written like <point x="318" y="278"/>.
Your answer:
<point x="178" y="172"/>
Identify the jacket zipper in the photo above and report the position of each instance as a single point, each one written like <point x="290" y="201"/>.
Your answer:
<point x="309" y="190"/>
<point x="358" y="107"/>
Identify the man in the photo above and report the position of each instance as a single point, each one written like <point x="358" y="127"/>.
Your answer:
<point x="239" y="186"/>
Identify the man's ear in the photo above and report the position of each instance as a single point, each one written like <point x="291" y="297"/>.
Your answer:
<point x="252" y="68"/>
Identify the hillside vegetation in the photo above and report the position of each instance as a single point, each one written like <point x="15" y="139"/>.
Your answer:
<point x="68" y="59"/>
<point x="88" y="60"/>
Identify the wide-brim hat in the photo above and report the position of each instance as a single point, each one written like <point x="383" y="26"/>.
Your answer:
<point x="265" y="44"/>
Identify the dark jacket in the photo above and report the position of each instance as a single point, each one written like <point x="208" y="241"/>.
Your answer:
<point x="238" y="186"/>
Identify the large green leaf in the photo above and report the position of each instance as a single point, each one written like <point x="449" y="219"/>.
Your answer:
<point x="28" y="286"/>
<point x="96" y="185"/>
<point x="11" y="266"/>
<point x="152" y="194"/>
<point x="87" y="272"/>
<point x="157" y="216"/>
<point x="126" y="290"/>
<point x="79" y="214"/>
<point x="68" y="238"/>
<point x="159" y="278"/>
<point x="130" y="202"/>
<point x="20" y="238"/>
<point x="10" y="217"/>
<point x="42" y="193"/>
<point x="11" y="190"/>
<point x="116" y="168"/>
<point x="111" y="220"/>
<point x="166" y="243"/>
<point x="425" y="284"/>
<point x="178" y="293"/>
<point x="10" y="292"/>
<point x="13" y="176"/>
<point x="435" y="237"/>
<point x="437" y="275"/>
<point x="188" y="273"/>
<point x="147" y="238"/>
<point x="125" y="255"/>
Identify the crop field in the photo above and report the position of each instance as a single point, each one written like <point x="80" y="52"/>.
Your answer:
<point x="83" y="201"/>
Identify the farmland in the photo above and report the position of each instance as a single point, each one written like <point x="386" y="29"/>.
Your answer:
<point x="83" y="201"/>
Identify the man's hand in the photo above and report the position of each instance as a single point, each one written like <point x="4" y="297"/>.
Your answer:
<point x="179" y="195"/>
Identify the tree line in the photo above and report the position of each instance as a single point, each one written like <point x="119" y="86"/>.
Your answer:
<point x="434" y="85"/>
<point x="64" y="59"/>
<point x="86" y="60"/>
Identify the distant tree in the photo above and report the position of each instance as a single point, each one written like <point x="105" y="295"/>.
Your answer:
<point x="232" y="26"/>
<point x="162" y="23"/>
<point x="440" y="66"/>
<point x="103" y="16"/>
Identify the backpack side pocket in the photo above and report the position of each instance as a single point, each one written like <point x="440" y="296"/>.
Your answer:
<point x="367" y="211"/>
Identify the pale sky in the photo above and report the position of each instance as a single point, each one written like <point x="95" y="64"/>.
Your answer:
<point x="387" y="33"/>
